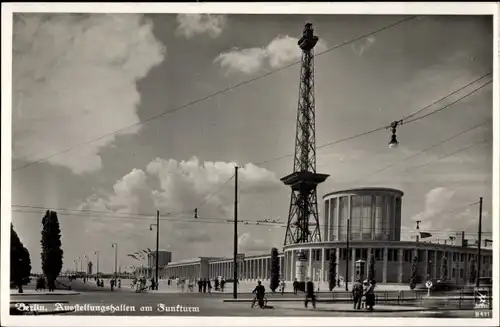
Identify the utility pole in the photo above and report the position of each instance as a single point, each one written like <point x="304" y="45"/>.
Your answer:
<point x="97" y="255"/>
<point x="235" y="245"/>
<point x="115" y="245"/>
<point x="346" y="279"/>
<point x="479" y="230"/>
<point x="157" y="245"/>
<point x="418" y="230"/>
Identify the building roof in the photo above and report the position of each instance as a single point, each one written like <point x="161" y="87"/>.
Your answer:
<point x="365" y="190"/>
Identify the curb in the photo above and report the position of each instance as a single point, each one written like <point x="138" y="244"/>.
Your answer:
<point x="47" y="293"/>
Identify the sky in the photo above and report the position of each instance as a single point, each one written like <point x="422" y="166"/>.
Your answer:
<point x="83" y="84"/>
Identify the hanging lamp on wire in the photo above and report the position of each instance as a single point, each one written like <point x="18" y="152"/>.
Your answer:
<point x="394" y="140"/>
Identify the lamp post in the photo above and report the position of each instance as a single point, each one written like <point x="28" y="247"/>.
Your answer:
<point x="97" y="268"/>
<point x="76" y="265"/>
<point x="157" y="245"/>
<point x="346" y="279"/>
<point x="235" y="239"/>
<point x="115" y="245"/>
<point x="479" y="232"/>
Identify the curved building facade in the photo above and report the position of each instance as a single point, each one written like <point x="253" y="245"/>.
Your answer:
<point x="374" y="218"/>
<point x="373" y="214"/>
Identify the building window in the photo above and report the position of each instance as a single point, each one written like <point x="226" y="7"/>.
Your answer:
<point x="390" y="254"/>
<point x="453" y="273"/>
<point x="421" y="254"/>
<point x="408" y="254"/>
<point x="364" y="254"/>
<point x="378" y="254"/>
<point x="343" y="254"/>
<point x="328" y="223"/>
<point x="461" y="273"/>
<point x="462" y="257"/>
<point x="397" y="217"/>
<point x="378" y="217"/>
<point x="358" y="254"/>
<point x="356" y="202"/>
<point x="334" y="222"/>
<point x="454" y="256"/>
<point x="388" y="216"/>
<point x="327" y="255"/>
<point x="366" y="216"/>
<point x="343" y="215"/>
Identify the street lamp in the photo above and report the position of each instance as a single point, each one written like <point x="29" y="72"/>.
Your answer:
<point x="115" y="245"/>
<point x="86" y="265"/>
<point x="346" y="278"/>
<point x="394" y="141"/>
<point x="97" y="268"/>
<point x="76" y="265"/>
<point x="157" y="225"/>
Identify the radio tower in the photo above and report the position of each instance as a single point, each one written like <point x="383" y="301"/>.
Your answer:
<point x="304" y="179"/>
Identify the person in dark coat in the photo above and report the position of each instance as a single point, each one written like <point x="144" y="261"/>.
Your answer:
<point x="200" y="285"/>
<point x="310" y="296"/>
<point x="204" y="285"/>
<point x="209" y="285"/>
<point x="357" y="294"/>
<point x="370" y="295"/>
<point x="295" y="286"/>
<point x="222" y="284"/>
<point x="216" y="284"/>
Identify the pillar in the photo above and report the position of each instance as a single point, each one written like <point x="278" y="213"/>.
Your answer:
<point x="322" y="278"/>
<point x="400" y="265"/>
<point x="337" y="268"/>
<point x="353" y="265"/>
<point x="292" y="263"/>
<point x="385" y="264"/>
<point x="310" y="267"/>
<point x="436" y="265"/>
<point x="426" y="265"/>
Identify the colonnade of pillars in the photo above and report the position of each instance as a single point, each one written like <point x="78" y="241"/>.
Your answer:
<point x="184" y="271"/>
<point x="250" y="268"/>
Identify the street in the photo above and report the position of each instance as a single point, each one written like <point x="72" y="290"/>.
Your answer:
<point x="123" y="302"/>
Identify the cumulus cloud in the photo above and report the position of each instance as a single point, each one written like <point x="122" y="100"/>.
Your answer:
<point x="74" y="79"/>
<point x="436" y="201"/>
<point x="280" y="51"/>
<point x="360" y="47"/>
<point x="190" y="25"/>
<point x="249" y="243"/>
<point x="175" y="188"/>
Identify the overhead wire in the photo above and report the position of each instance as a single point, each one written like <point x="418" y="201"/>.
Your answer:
<point x="207" y="97"/>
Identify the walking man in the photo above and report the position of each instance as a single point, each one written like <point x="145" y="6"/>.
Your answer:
<point x="310" y="296"/>
<point x="357" y="294"/>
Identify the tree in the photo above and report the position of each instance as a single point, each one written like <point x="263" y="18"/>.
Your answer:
<point x="472" y="271"/>
<point x="20" y="262"/>
<point x="371" y="267"/>
<point x="444" y="269"/>
<point x="331" y="271"/>
<point x="275" y="270"/>
<point x="414" y="273"/>
<point x="52" y="253"/>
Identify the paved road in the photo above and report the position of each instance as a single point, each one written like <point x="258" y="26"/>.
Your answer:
<point x="203" y="305"/>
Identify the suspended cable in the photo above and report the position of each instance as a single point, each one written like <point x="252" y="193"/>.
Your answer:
<point x="210" y="96"/>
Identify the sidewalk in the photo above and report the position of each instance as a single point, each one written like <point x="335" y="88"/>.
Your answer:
<point x="345" y="307"/>
<point x="33" y="292"/>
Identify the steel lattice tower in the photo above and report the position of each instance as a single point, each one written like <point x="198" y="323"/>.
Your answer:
<point x="304" y="179"/>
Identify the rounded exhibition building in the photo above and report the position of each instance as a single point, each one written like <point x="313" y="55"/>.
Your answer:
<point x="354" y="223"/>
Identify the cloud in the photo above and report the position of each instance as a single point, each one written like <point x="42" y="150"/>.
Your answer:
<point x="175" y="188"/>
<point x="74" y="79"/>
<point x="248" y="243"/>
<point x="436" y="201"/>
<point x="191" y="25"/>
<point x="280" y="51"/>
<point x="360" y="47"/>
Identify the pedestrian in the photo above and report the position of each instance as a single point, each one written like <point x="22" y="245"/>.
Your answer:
<point x="357" y="294"/>
<point x="200" y="286"/>
<point x="295" y="286"/>
<point x="204" y="285"/>
<point x="222" y="284"/>
<point x="209" y="285"/>
<point x="112" y="284"/>
<point x="310" y="296"/>
<point x="370" y="295"/>
<point x="282" y="286"/>
<point x="216" y="284"/>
